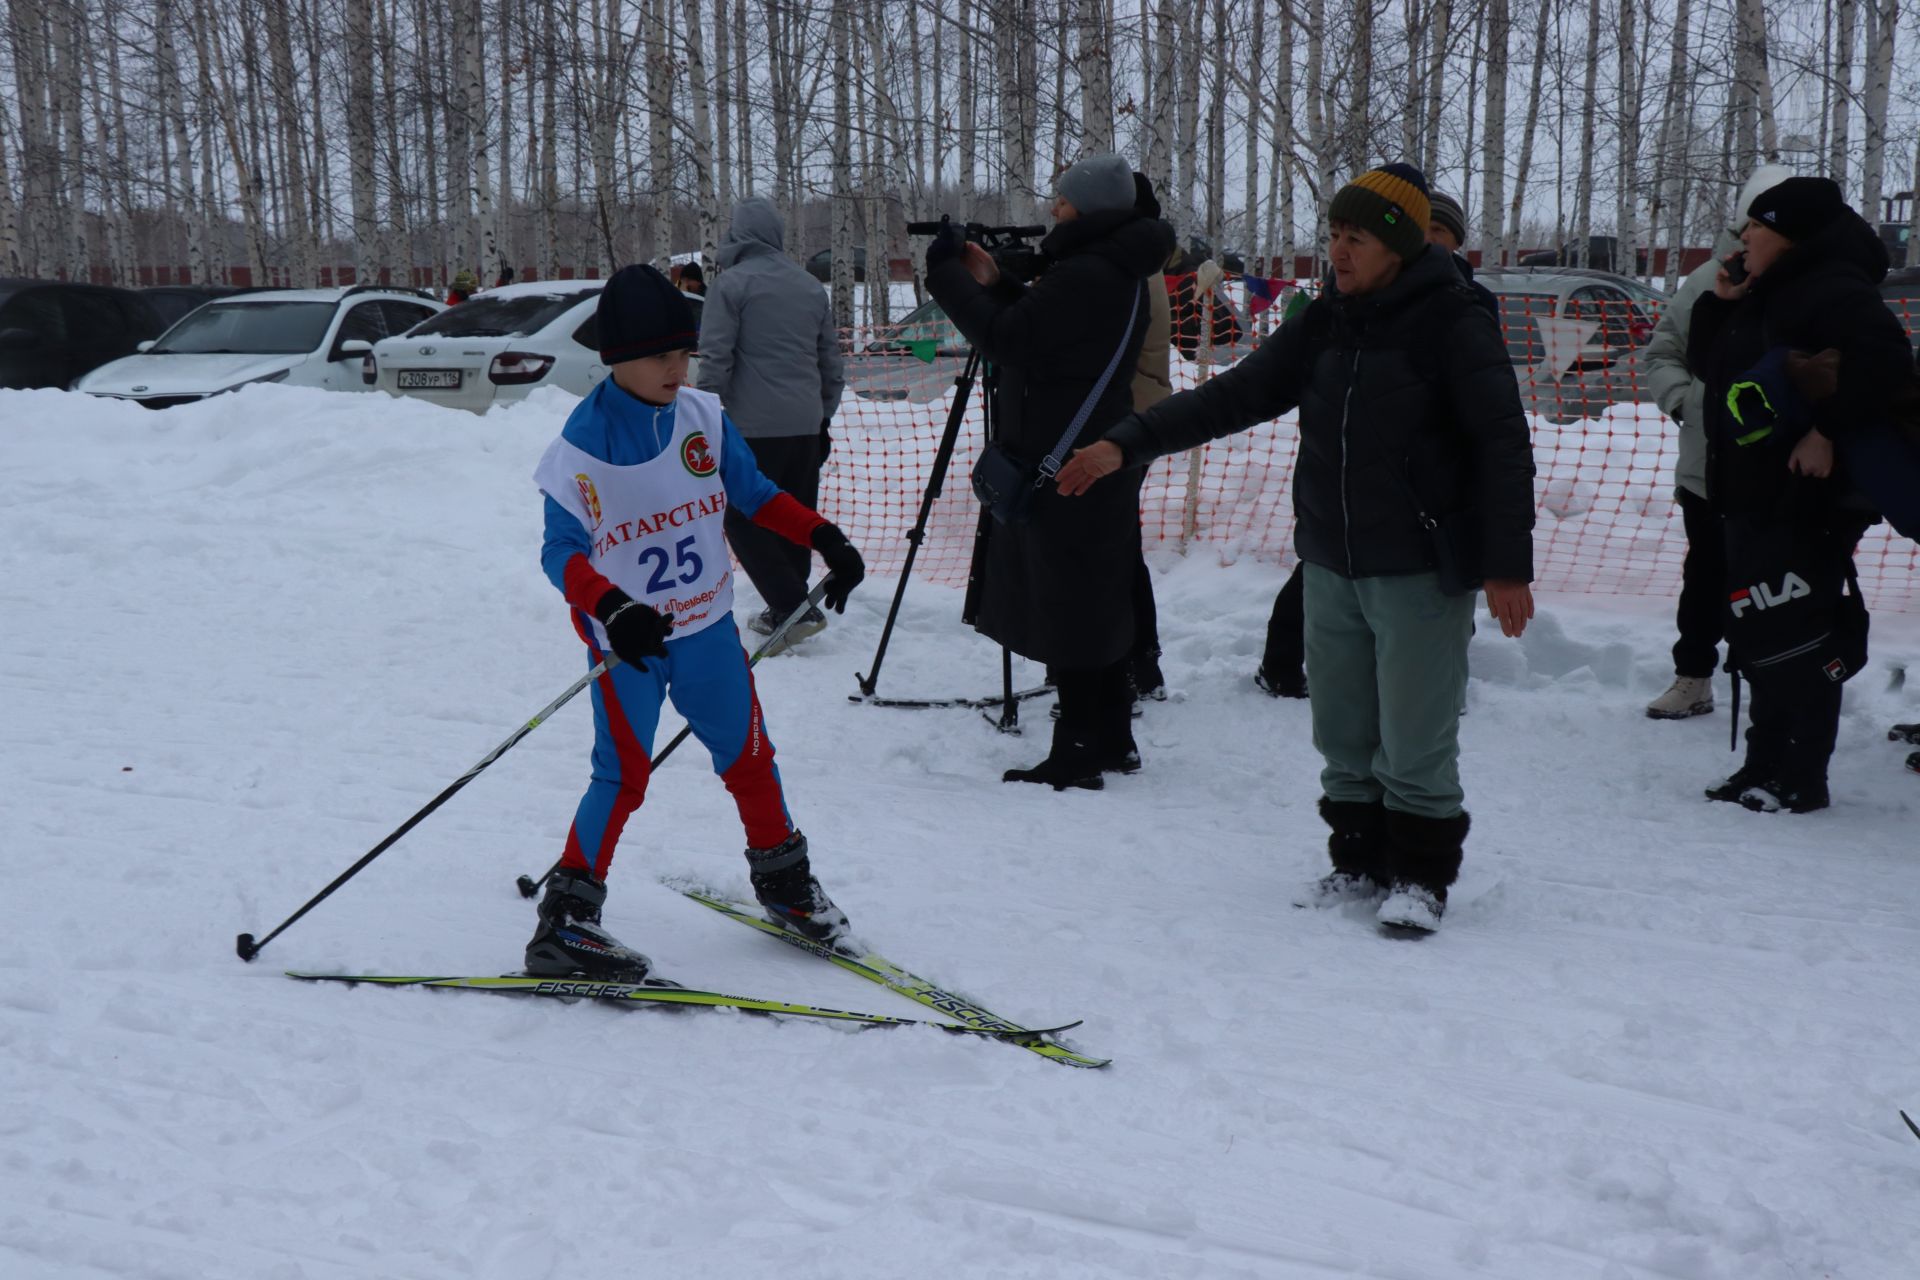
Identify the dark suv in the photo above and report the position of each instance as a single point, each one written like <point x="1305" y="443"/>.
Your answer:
<point x="52" y="332"/>
<point x="1901" y="289"/>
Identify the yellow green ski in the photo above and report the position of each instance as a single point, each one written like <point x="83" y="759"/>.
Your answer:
<point x="877" y="968"/>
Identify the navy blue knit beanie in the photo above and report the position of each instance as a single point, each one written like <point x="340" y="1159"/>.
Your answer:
<point x="642" y="314"/>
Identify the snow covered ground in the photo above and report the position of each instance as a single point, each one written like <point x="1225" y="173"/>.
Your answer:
<point x="241" y="641"/>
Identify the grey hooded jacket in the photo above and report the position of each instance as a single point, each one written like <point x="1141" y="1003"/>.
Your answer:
<point x="1680" y="395"/>
<point x="768" y="346"/>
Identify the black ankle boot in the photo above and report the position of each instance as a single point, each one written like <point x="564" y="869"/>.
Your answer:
<point x="1074" y="761"/>
<point x="569" y="941"/>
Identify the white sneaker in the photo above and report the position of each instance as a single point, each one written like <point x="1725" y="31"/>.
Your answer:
<point x="1412" y="906"/>
<point x="1687" y="696"/>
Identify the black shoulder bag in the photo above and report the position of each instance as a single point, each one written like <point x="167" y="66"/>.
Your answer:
<point x="1005" y="484"/>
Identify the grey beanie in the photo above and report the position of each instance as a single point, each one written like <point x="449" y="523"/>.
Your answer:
<point x="1098" y="183"/>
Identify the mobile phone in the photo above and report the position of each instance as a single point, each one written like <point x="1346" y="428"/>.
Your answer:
<point x="1737" y="268"/>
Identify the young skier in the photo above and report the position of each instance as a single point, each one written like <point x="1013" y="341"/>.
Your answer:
<point x="636" y="489"/>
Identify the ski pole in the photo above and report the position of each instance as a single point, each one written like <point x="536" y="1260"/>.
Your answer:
<point x="246" y="945"/>
<point x="528" y="886"/>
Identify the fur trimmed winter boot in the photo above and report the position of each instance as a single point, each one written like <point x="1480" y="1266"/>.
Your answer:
<point x="1424" y="854"/>
<point x="1358" y="850"/>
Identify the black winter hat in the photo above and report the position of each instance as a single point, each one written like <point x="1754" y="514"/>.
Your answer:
<point x="642" y="314"/>
<point x="1799" y="207"/>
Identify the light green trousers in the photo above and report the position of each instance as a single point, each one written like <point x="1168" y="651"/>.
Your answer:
<point x="1387" y="671"/>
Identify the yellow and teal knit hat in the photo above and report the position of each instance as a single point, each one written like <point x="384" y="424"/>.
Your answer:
<point x="1392" y="203"/>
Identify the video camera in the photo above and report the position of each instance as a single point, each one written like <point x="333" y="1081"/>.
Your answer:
<point x="1009" y="247"/>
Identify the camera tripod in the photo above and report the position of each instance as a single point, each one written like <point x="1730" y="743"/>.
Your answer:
<point x="1008" y="700"/>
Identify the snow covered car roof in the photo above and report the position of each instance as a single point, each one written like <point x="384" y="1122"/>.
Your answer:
<point x="542" y="288"/>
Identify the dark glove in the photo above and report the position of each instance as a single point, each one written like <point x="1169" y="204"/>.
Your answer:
<point x="826" y="438"/>
<point x="634" y="631"/>
<point x="844" y="566"/>
<point x="948" y="242"/>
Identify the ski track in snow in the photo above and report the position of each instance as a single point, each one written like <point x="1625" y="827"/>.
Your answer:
<point x="1657" y="1039"/>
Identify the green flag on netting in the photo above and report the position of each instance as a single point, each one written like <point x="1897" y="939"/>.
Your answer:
<point x="1295" y="305"/>
<point x="924" y="349"/>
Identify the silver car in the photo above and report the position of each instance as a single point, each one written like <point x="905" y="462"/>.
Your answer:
<point x="1577" y="337"/>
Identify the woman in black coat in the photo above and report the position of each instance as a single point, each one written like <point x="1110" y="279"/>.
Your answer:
<point x="1058" y="588"/>
<point x="1796" y="624"/>
<point x="1414" y="487"/>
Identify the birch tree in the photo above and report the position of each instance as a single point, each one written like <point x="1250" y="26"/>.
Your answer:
<point x="1842" y="78"/>
<point x="1589" y="108"/>
<point x="705" y="194"/>
<point x="1493" y="211"/>
<point x="1543" y="24"/>
<point x="10" y="263"/>
<point x="1626" y="219"/>
<point x="843" y="264"/>
<point x="1093" y="63"/>
<point x="1883" y="19"/>
<point x="1671" y="176"/>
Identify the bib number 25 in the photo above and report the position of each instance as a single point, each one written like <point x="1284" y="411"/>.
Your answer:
<point x="684" y="558"/>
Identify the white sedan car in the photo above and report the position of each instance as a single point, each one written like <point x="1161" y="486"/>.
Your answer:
<point x="300" y="337"/>
<point x="501" y="345"/>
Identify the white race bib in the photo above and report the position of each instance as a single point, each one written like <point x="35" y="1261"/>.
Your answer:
<point x="656" y="526"/>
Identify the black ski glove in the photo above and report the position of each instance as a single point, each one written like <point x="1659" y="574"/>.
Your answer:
<point x="826" y="438"/>
<point x="948" y="242"/>
<point x="844" y="566"/>
<point x="634" y="631"/>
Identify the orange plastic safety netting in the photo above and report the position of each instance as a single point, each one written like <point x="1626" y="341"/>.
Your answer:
<point x="1604" y="456"/>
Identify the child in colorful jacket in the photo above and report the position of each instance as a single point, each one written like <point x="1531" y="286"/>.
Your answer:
<point x="636" y="488"/>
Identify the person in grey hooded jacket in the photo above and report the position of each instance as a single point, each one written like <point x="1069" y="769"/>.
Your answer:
<point x="1701" y="613"/>
<point x="769" y="350"/>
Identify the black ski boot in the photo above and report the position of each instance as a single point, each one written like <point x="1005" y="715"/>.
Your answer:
<point x="1144" y="677"/>
<point x="1775" y="797"/>
<point x="783" y="882"/>
<point x="1742" y="780"/>
<point x="1277" y="682"/>
<point x="1358" y="850"/>
<point x="1425" y="856"/>
<point x="570" y="941"/>
<point x="1905" y="733"/>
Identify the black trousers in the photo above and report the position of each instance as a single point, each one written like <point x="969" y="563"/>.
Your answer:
<point x="778" y="568"/>
<point x="1702" y="613"/>
<point x="1096" y="705"/>
<point x="1793" y="714"/>
<point x="1286" y="650"/>
<point x="1146" y="614"/>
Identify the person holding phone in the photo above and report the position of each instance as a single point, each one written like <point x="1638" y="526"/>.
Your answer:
<point x="1701" y="611"/>
<point x="1803" y="282"/>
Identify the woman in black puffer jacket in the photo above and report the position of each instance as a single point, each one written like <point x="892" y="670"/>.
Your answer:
<point x="1414" y="487"/>
<point x="1796" y="625"/>
<point x="1059" y="588"/>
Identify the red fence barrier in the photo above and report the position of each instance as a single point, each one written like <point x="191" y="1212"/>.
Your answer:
<point x="1603" y="452"/>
